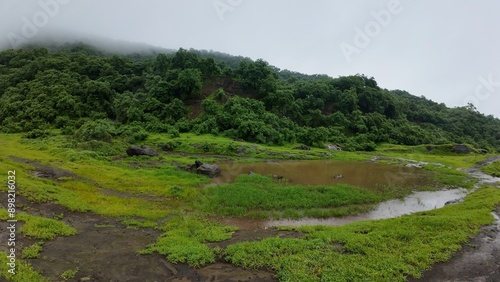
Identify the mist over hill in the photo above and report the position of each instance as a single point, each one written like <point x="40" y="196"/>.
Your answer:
<point x="118" y="88"/>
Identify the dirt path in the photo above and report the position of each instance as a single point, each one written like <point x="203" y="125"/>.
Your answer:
<point x="106" y="250"/>
<point x="479" y="260"/>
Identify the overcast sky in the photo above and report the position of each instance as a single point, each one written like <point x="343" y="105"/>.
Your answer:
<point x="448" y="51"/>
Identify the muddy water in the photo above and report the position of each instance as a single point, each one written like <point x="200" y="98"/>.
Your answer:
<point x="327" y="172"/>
<point x="416" y="202"/>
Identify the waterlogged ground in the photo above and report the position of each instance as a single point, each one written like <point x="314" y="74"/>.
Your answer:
<point x="416" y="202"/>
<point x="329" y="172"/>
<point x="106" y="250"/>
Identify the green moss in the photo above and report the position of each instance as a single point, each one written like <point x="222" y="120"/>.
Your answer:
<point x="23" y="272"/>
<point x="184" y="238"/>
<point x="32" y="251"/>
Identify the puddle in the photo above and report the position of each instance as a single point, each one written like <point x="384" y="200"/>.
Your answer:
<point x="328" y="172"/>
<point x="416" y="202"/>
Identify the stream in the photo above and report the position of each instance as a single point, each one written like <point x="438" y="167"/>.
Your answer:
<point x="364" y="174"/>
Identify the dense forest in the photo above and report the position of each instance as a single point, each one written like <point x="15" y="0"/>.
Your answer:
<point x="90" y="94"/>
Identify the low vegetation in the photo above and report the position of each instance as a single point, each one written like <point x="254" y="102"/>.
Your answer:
<point x="262" y="197"/>
<point x="493" y="169"/>
<point x="382" y="250"/>
<point x="24" y="271"/>
<point x="185" y="237"/>
<point x="32" y="251"/>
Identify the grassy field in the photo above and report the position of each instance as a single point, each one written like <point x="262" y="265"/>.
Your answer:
<point x="262" y="197"/>
<point x="382" y="250"/>
<point x="150" y="192"/>
<point x="493" y="169"/>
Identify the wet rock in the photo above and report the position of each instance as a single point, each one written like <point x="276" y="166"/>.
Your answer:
<point x="251" y="173"/>
<point x="166" y="147"/>
<point x="333" y="147"/>
<point x="417" y="165"/>
<point x="457" y="201"/>
<point x="461" y="149"/>
<point x="41" y="174"/>
<point x="140" y="151"/>
<point x="241" y="150"/>
<point x="338" y="176"/>
<point x="210" y="170"/>
<point x="178" y="165"/>
<point x="302" y="147"/>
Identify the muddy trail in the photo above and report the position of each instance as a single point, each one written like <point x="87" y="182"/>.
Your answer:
<point x="106" y="250"/>
<point x="479" y="260"/>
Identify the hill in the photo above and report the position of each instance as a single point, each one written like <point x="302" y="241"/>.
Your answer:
<point x="92" y="94"/>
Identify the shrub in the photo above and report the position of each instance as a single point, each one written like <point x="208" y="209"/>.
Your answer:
<point x="37" y="133"/>
<point x="100" y="130"/>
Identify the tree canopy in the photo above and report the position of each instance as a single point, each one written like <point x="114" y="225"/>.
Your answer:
<point x="210" y="92"/>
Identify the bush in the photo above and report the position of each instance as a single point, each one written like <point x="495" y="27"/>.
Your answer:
<point x="133" y="133"/>
<point x="100" y="130"/>
<point x="174" y="132"/>
<point x="37" y="133"/>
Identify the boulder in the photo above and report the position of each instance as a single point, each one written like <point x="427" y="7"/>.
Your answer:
<point x="178" y="165"/>
<point x="166" y="147"/>
<point x="302" y="147"/>
<point x="461" y="149"/>
<point x="210" y="170"/>
<point x="333" y="147"/>
<point x="139" y="151"/>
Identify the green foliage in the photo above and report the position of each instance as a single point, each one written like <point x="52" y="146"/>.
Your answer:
<point x="41" y="90"/>
<point x="133" y="133"/>
<point x="37" y="133"/>
<point x="100" y="130"/>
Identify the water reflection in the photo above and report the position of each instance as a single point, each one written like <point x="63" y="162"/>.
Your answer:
<point x="419" y="201"/>
<point x="327" y="172"/>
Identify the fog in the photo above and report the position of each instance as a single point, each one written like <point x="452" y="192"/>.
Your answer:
<point x="444" y="50"/>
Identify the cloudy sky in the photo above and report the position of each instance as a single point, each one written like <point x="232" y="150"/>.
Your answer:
<point x="448" y="51"/>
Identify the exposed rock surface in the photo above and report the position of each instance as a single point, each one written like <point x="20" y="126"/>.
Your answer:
<point x="461" y="149"/>
<point x="302" y="147"/>
<point x="139" y="151"/>
<point x="333" y="147"/>
<point x="210" y="170"/>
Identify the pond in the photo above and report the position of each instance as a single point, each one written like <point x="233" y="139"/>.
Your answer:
<point x="363" y="174"/>
<point x="329" y="172"/>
